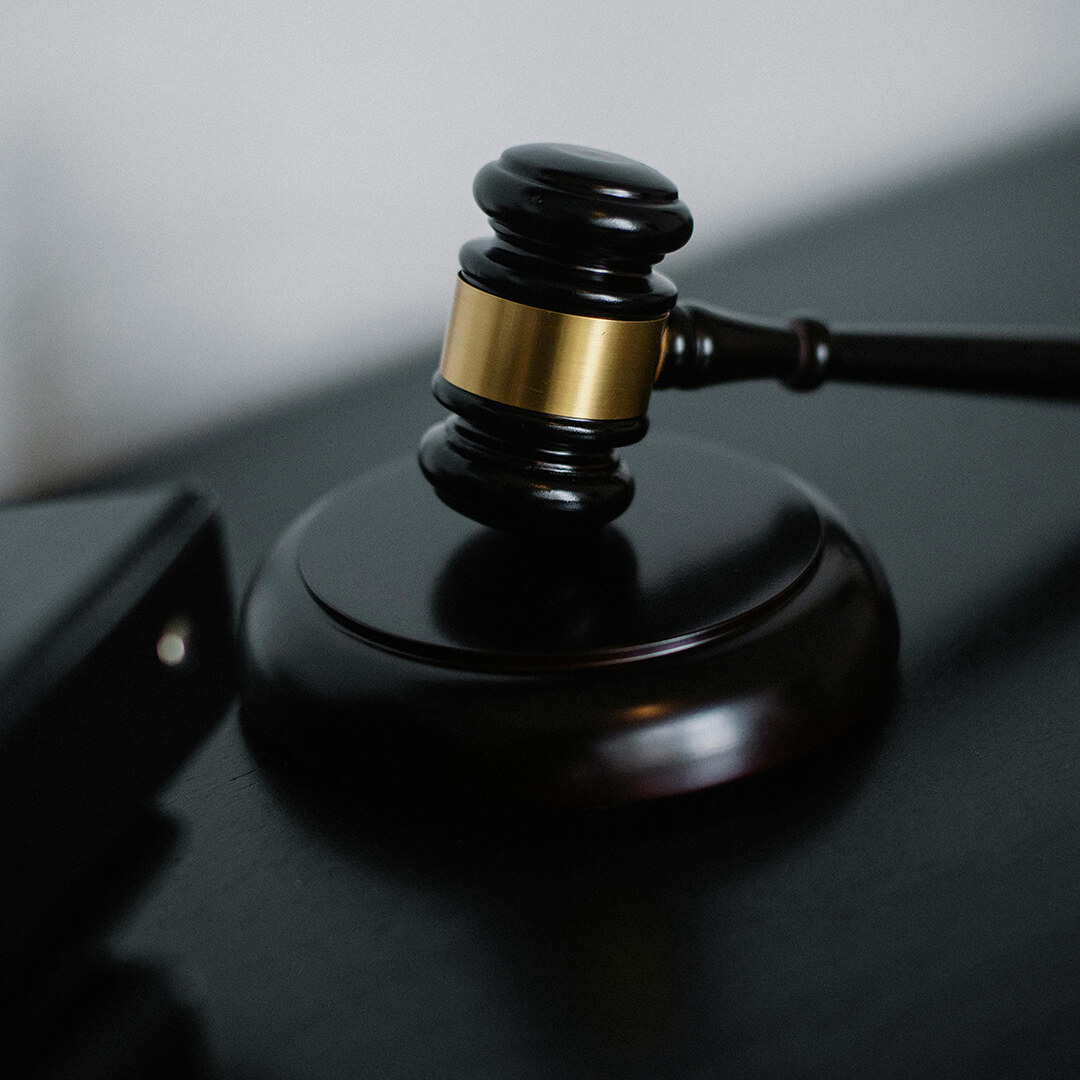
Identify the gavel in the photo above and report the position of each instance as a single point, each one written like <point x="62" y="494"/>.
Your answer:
<point x="561" y="329"/>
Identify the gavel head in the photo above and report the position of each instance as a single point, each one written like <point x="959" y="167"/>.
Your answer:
<point x="555" y="338"/>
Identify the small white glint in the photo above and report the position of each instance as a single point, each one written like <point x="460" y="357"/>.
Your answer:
<point x="172" y="646"/>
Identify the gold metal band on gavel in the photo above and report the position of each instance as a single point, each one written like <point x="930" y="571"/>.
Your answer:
<point x="550" y="362"/>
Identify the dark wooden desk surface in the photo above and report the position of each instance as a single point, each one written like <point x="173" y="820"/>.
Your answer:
<point x="905" y="903"/>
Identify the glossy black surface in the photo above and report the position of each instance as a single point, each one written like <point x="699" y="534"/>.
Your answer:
<point x="576" y="230"/>
<point x="902" y="903"/>
<point x="727" y="624"/>
<point x="686" y="563"/>
<point x="706" y="346"/>
<point x="523" y="471"/>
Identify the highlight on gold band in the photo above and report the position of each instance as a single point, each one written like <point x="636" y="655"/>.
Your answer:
<point x="563" y="365"/>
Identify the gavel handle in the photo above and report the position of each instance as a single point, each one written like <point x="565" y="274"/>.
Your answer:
<point x="704" y="346"/>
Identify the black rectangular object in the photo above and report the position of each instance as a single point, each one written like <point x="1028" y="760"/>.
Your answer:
<point x="115" y="660"/>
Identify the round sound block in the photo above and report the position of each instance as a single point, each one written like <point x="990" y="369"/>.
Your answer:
<point x="728" y="621"/>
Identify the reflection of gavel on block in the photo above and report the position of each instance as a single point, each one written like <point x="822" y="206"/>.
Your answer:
<point x="728" y="620"/>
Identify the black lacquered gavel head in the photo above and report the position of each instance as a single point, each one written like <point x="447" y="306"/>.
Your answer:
<point x="555" y="338"/>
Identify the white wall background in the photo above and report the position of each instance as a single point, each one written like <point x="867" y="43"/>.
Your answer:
<point x="206" y="204"/>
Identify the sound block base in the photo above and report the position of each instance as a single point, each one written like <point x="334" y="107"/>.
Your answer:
<point x="727" y="622"/>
